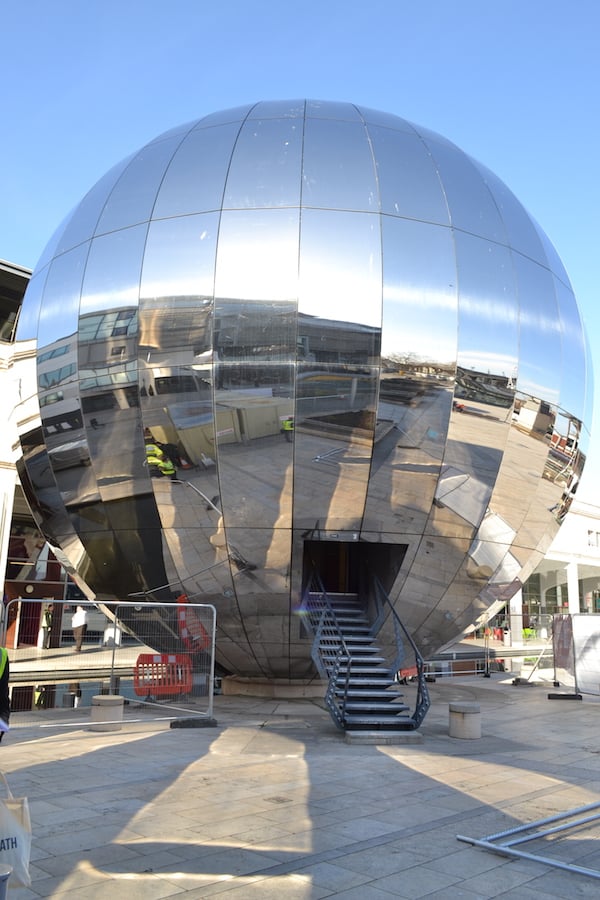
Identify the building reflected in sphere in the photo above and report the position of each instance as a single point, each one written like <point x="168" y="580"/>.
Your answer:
<point x="341" y="267"/>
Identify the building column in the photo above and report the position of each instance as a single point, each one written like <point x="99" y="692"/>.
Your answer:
<point x="516" y="619"/>
<point x="573" y="588"/>
<point x="8" y="478"/>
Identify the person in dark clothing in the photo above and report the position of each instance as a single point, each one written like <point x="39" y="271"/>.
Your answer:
<point x="4" y="692"/>
<point x="47" y="625"/>
<point x="171" y="451"/>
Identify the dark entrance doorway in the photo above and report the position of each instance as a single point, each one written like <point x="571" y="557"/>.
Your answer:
<point x="347" y="567"/>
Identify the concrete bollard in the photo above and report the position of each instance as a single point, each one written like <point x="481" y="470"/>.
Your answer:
<point x="465" y="721"/>
<point x="107" y="712"/>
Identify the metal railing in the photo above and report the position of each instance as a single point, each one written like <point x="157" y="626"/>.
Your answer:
<point x="329" y="651"/>
<point x="383" y="604"/>
<point x="159" y="656"/>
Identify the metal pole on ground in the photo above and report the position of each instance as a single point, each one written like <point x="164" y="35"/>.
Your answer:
<point x="486" y="646"/>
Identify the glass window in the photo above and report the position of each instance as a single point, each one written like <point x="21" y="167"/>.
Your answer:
<point x="56" y="376"/>
<point x="55" y="352"/>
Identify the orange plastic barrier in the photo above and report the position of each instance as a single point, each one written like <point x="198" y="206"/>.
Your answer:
<point x="191" y="630"/>
<point x="411" y="672"/>
<point x="160" y="674"/>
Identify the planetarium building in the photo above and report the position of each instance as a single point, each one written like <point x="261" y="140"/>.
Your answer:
<point x="361" y="359"/>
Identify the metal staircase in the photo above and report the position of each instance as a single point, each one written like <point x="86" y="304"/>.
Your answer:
<point x="363" y="692"/>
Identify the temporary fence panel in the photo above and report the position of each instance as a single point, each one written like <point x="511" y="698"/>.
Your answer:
<point x="576" y="642"/>
<point x="159" y="656"/>
<point x="563" y="649"/>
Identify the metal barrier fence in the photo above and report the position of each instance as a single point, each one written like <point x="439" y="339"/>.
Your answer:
<point x="576" y="641"/>
<point x="158" y="656"/>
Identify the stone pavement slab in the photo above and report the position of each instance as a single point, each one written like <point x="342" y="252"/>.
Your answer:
<point x="273" y="801"/>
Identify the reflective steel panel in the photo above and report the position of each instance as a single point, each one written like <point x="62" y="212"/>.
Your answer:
<point x="185" y="190"/>
<point x="331" y="180"/>
<point x="81" y="224"/>
<point x="413" y="190"/>
<point x="418" y="364"/>
<point x="133" y="196"/>
<point x="265" y="165"/>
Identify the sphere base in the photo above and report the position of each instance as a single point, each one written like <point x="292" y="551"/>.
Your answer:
<point x="273" y="688"/>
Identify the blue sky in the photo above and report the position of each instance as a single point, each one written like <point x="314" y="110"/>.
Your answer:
<point x="514" y="83"/>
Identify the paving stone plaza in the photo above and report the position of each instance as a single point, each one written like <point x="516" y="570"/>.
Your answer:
<point x="272" y="801"/>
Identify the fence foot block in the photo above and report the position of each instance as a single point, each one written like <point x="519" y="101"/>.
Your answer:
<point x="196" y="722"/>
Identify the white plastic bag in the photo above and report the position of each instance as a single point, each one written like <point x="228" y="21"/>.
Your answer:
<point x="15" y="836"/>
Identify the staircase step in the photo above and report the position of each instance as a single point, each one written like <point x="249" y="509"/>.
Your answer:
<point x="352" y="612"/>
<point x="366" y="676"/>
<point x="350" y="641"/>
<point x="367" y="669"/>
<point x="357" y="638"/>
<point x="367" y="664"/>
<point x="329" y="646"/>
<point x="357" y="615"/>
<point x="373" y="707"/>
<point x="373" y="693"/>
<point x="376" y="723"/>
<point x="401" y="724"/>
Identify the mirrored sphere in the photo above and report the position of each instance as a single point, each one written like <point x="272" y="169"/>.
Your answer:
<point x="298" y="337"/>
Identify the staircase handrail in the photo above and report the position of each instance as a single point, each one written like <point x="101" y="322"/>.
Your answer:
<point x="336" y="704"/>
<point x="382" y="601"/>
<point x="324" y="624"/>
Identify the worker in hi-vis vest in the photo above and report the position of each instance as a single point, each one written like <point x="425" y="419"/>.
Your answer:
<point x="159" y="465"/>
<point x="287" y="426"/>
